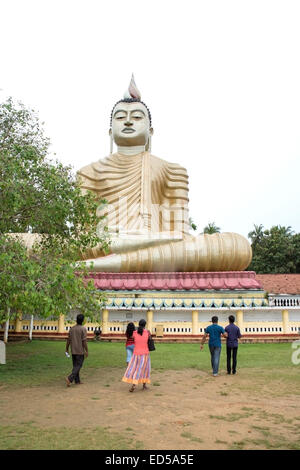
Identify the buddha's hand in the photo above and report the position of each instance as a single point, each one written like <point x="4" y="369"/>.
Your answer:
<point x="137" y="240"/>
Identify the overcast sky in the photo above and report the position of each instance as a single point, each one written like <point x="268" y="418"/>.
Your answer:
<point x="221" y="79"/>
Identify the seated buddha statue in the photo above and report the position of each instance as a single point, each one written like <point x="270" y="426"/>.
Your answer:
<point x="147" y="205"/>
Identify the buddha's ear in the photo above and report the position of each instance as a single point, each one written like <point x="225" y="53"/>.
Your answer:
<point x="111" y="141"/>
<point x="148" y="145"/>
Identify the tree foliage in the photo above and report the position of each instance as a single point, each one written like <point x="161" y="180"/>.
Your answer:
<point x="211" y="228"/>
<point x="192" y="224"/>
<point x="42" y="283"/>
<point x="276" y="250"/>
<point x="38" y="195"/>
<point x="41" y="196"/>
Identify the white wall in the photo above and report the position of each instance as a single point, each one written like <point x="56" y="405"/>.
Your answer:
<point x="176" y="315"/>
<point x="294" y="315"/>
<point x="263" y="315"/>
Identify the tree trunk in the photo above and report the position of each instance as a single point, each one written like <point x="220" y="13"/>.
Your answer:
<point x="31" y="328"/>
<point x="6" y="326"/>
<point x="2" y="353"/>
<point x="6" y="331"/>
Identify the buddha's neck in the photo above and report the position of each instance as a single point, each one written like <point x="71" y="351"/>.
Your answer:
<point x="131" y="150"/>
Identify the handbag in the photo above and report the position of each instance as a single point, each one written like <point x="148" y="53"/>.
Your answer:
<point x="151" y="345"/>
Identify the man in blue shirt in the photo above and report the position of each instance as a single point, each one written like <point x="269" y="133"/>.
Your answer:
<point x="232" y="342"/>
<point x="215" y="332"/>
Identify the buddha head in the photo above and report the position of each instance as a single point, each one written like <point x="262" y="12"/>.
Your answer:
<point x="130" y="124"/>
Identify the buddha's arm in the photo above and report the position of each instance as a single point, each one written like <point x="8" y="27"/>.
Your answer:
<point x="133" y="241"/>
<point x="174" y="206"/>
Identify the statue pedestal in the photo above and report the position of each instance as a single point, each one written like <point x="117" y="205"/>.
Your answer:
<point x="181" y="298"/>
<point x="179" y="281"/>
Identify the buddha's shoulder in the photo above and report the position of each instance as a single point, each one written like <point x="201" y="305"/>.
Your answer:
<point x="168" y="165"/>
<point x="93" y="169"/>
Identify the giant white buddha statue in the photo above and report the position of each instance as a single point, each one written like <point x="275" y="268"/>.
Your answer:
<point x="147" y="210"/>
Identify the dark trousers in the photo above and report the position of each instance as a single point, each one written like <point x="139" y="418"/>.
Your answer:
<point x="77" y="364"/>
<point x="234" y="354"/>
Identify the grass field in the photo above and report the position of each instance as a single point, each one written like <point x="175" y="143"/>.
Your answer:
<point x="39" y="362"/>
<point x="264" y="398"/>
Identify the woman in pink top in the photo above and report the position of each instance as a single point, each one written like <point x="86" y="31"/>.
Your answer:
<point x="139" y="367"/>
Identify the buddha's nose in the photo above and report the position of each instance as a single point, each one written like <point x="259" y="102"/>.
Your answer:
<point x="128" y="120"/>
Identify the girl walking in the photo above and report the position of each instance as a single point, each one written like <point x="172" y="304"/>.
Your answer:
<point x="129" y="341"/>
<point x="139" y="367"/>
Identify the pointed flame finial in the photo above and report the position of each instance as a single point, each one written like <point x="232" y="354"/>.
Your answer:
<point x="132" y="91"/>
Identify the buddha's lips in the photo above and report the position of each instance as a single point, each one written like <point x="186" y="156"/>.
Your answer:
<point x="128" y="130"/>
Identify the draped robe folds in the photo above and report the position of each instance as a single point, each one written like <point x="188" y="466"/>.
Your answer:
<point x="143" y="192"/>
<point x="148" y="197"/>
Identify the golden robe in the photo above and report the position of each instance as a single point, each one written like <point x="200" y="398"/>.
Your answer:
<point x="149" y="196"/>
<point x="143" y="192"/>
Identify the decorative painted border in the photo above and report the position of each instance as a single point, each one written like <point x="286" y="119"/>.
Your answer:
<point x="121" y="302"/>
<point x="229" y="280"/>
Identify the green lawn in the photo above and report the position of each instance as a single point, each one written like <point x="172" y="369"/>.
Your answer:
<point x="40" y="362"/>
<point x="28" y="436"/>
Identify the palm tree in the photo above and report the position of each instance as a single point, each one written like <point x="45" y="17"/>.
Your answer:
<point x="211" y="228"/>
<point x="285" y="231"/>
<point x="257" y="234"/>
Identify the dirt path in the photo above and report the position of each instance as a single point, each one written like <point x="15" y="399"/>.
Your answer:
<point x="181" y="410"/>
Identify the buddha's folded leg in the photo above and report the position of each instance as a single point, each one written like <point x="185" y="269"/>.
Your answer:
<point x="129" y="244"/>
<point x="217" y="252"/>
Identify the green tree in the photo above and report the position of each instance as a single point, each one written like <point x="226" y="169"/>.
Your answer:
<point x="43" y="283"/>
<point x="41" y="196"/>
<point x="256" y="235"/>
<point x="276" y="250"/>
<point x="211" y="228"/>
<point x="38" y="195"/>
<point x="296" y="247"/>
<point x="192" y="224"/>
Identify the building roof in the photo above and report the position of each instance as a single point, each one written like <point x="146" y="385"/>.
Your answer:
<point x="280" y="283"/>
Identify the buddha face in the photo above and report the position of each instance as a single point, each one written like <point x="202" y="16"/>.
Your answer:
<point x="130" y="124"/>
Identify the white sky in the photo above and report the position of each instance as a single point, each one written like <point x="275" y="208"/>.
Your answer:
<point x="221" y="79"/>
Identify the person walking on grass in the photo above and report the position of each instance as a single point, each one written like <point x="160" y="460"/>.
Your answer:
<point x="78" y="340"/>
<point x="139" y="367"/>
<point x="215" y="332"/>
<point x="129" y="341"/>
<point x="232" y="343"/>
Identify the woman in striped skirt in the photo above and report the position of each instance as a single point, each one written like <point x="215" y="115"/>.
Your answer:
<point x="139" y="367"/>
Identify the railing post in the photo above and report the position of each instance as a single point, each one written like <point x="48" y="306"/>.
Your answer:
<point x="105" y="321"/>
<point x="149" y="325"/>
<point x="285" y="322"/>
<point x="195" y="322"/>
<point x="61" y="324"/>
<point x="240" y="320"/>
